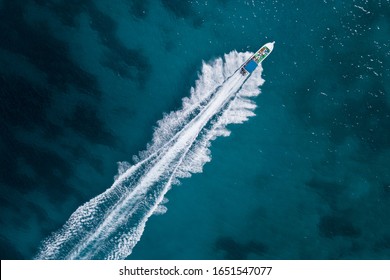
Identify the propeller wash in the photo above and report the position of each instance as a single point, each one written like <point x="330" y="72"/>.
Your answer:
<point x="110" y="224"/>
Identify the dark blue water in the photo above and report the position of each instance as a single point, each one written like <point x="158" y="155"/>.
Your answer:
<point x="83" y="83"/>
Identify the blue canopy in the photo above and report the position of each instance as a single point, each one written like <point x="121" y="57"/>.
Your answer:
<point x="251" y="65"/>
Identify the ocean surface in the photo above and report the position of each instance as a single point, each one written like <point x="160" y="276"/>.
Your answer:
<point x="93" y="92"/>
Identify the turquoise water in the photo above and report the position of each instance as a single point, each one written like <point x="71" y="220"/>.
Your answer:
<point x="83" y="83"/>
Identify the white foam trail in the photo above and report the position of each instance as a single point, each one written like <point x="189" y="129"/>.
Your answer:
<point x="110" y="225"/>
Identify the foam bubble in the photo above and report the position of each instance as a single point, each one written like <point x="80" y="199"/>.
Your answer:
<point x="110" y="225"/>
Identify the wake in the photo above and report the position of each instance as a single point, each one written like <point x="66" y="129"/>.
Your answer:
<point x="110" y="225"/>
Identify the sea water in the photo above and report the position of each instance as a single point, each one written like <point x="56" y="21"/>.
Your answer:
<point x="84" y="84"/>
